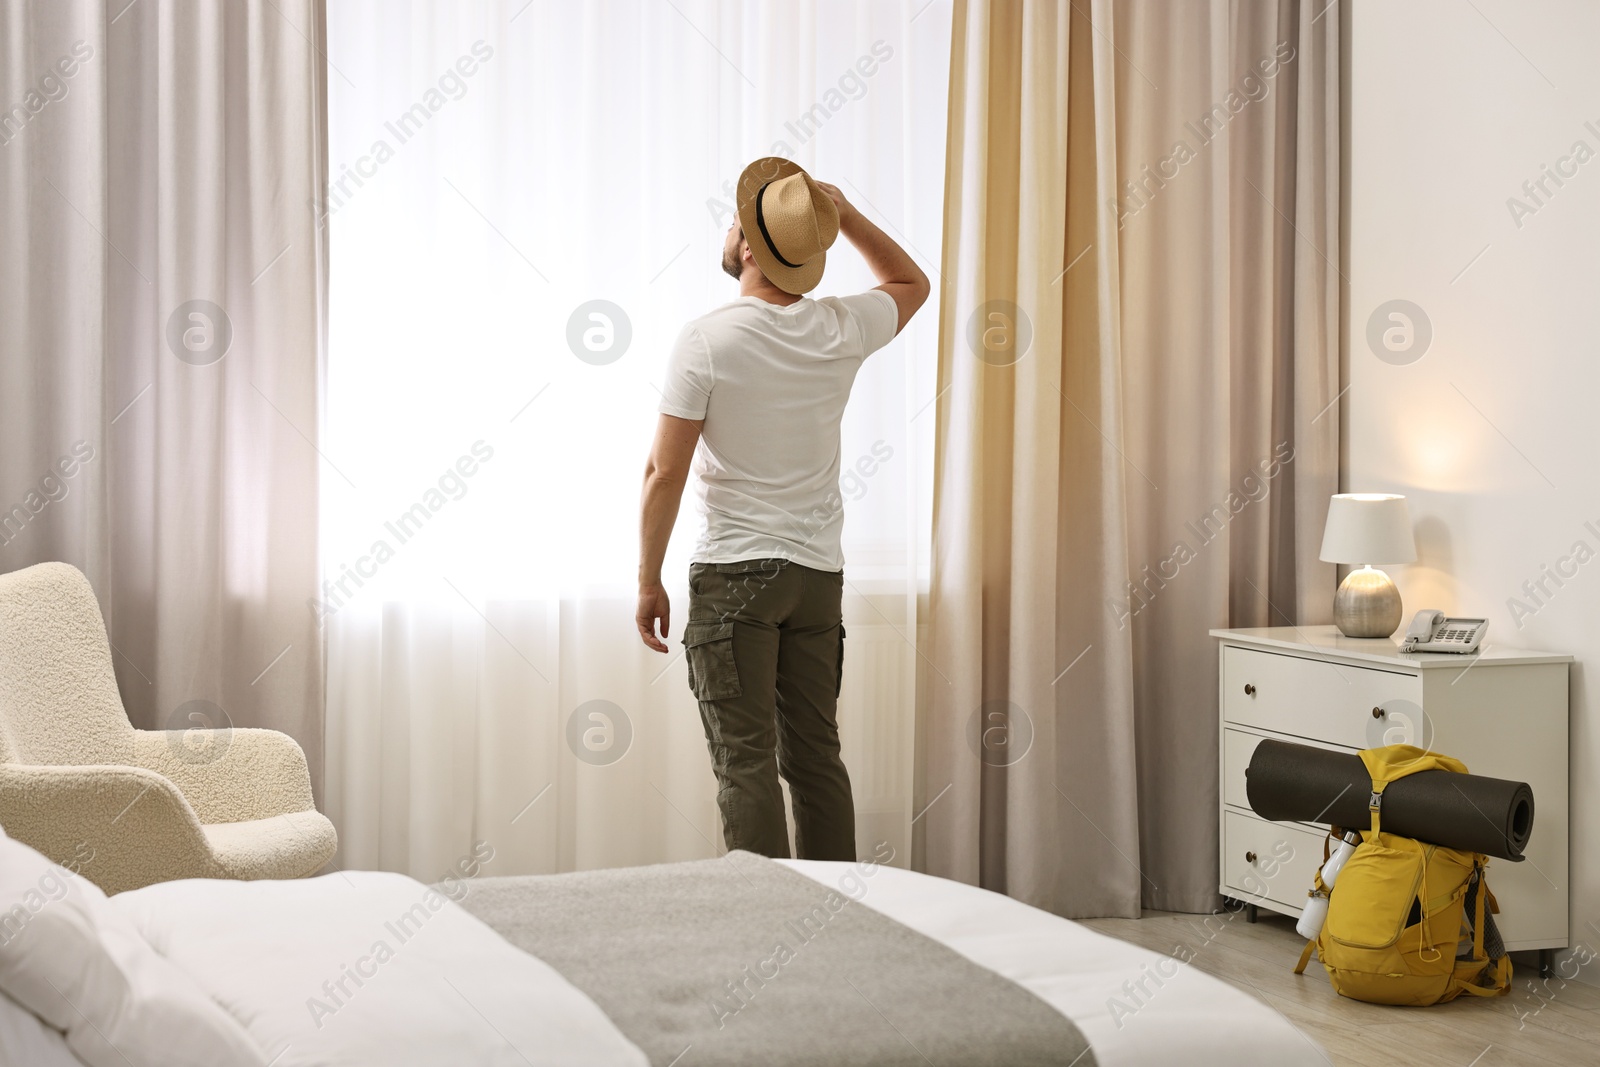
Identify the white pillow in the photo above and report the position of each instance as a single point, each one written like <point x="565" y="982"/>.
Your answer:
<point x="24" y="1038"/>
<point x="84" y="969"/>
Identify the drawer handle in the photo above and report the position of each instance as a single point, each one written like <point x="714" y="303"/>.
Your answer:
<point x="1378" y="713"/>
<point x="1249" y="690"/>
<point x="1249" y="857"/>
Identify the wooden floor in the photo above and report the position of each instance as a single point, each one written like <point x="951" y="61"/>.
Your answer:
<point x="1539" y="1022"/>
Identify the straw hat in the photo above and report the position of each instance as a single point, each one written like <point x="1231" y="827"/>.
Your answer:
<point x="788" y="221"/>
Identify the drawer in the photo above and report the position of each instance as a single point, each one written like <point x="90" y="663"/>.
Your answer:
<point x="1268" y="860"/>
<point x="1237" y="748"/>
<point x="1309" y="697"/>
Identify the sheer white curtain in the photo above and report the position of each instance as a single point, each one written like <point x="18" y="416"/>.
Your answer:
<point x="160" y="341"/>
<point x="495" y="169"/>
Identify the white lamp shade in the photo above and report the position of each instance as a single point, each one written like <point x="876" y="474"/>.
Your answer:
<point x="1368" y="528"/>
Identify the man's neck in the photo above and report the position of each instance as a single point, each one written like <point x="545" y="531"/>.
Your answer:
<point x="756" y="285"/>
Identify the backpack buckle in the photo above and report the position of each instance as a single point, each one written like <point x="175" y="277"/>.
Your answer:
<point x="1375" y="802"/>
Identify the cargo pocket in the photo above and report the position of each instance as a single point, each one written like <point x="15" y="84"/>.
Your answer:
<point x="708" y="646"/>
<point x="838" y="670"/>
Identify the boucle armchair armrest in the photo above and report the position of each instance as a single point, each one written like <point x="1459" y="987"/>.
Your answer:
<point x="120" y="827"/>
<point x="234" y="776"/>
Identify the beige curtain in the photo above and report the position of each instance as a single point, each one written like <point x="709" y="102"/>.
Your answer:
<point x="160" y="341"/>
<point x="1138" y="434"/>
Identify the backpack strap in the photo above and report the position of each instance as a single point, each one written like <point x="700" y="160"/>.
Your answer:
<point x="1375" y="802"/>
<point x="1499" y="970"/>
<point x="1305" y="957"/>
<point x="1477" y="919"/>
<point x="1425" y="943"/>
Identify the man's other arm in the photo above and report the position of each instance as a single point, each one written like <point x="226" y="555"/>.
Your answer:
<point x="665" y="473"/>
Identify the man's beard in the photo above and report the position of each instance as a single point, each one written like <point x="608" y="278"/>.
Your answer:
<point x="731" y="265"/>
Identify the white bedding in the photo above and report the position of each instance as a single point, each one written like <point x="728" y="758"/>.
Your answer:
<point x="265" y="949"/>
<point x="366" y="968"/>
<point x="1189" y="1018"/>
<point x="25" y="1040"/>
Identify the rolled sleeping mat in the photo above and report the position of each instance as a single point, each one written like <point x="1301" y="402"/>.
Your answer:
<point x="1298" y="783"/>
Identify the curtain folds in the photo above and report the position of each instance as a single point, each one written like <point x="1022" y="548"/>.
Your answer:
<point x="1138" y="355"/>
<point x="161" y="276"/>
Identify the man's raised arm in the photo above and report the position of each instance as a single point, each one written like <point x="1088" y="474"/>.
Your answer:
<point x="899" y="274"/>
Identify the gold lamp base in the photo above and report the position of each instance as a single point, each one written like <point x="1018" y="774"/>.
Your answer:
<point x="1367" y="604"/>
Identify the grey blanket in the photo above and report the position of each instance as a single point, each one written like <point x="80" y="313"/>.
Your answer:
<point x="742" y="961"/>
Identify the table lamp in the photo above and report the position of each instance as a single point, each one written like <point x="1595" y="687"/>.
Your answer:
<point x="1367" y="528"/>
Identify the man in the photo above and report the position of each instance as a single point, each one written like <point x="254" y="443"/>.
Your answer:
<point x="754" y="393"/>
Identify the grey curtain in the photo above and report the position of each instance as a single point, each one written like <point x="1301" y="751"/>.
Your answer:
<point x="1138" y="430"/>
<point x="161" y="280"/>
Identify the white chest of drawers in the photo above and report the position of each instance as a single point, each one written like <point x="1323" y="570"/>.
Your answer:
<point x="1502" y="712"/>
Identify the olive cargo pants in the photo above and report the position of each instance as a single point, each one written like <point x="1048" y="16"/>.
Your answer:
<point x="765" y="646"/>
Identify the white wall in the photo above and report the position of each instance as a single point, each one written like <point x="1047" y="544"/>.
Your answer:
<point x="1492" y="432"/>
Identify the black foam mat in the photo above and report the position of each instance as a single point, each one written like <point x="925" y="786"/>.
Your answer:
<point x="1298" y="783"/>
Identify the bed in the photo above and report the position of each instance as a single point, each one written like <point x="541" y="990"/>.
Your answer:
<point x="672" y="966"/>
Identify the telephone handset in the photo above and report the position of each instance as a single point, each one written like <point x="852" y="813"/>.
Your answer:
<point x="1431" y="631"/>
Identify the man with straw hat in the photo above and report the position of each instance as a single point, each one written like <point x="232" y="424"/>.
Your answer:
<point x="754" y="394"/>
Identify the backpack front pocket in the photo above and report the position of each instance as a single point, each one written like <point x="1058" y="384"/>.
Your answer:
<point x="1374" y="895"/>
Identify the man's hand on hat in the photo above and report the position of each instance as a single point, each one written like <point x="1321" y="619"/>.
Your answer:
<point x="846" y="209"/>
<point x="897" y="273"/>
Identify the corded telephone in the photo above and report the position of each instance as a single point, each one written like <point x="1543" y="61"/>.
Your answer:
<point x="1431" y="631"/>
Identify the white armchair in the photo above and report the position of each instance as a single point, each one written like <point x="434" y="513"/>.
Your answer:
<point x="128" y="807"/>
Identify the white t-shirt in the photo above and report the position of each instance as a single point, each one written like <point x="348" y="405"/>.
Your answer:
<point x="771" y="383"/>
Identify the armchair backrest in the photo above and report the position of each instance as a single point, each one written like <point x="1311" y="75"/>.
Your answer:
<point x="59" y="702"/>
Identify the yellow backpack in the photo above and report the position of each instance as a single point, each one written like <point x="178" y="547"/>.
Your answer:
<point x="1395" y="930"/>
